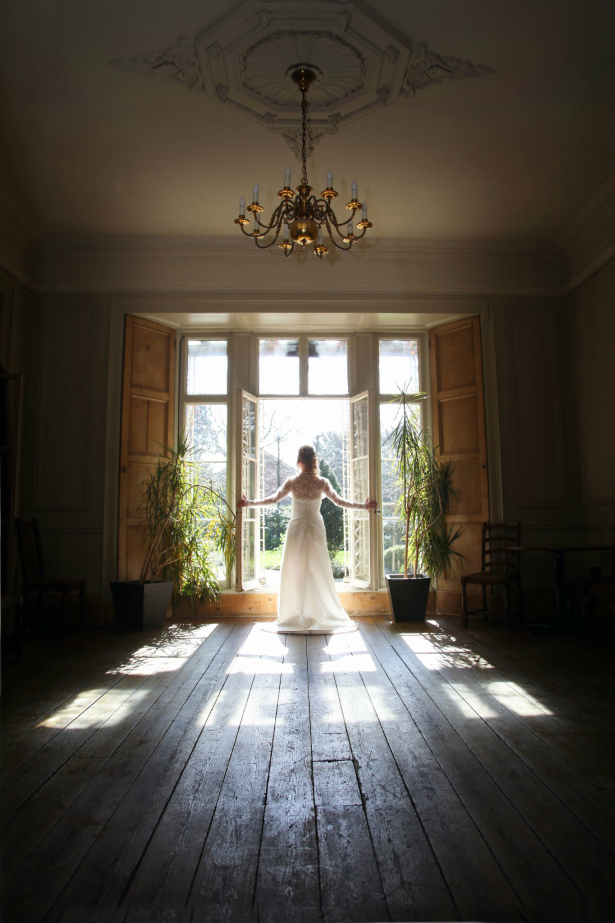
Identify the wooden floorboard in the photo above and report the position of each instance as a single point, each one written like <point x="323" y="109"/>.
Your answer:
<point x="213" y="772"/>
<point x="287" y="886"/>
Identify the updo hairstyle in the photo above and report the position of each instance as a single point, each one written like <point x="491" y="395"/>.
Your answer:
<point x="307" y="456"/>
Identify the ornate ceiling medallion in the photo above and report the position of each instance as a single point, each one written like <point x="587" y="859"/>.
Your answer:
<point x="339" y="69"/>
<point x="359" y="61"/>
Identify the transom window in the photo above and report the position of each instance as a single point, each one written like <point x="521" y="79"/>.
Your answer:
<point x="207" y="371"/>
<point x="303" y="366"/>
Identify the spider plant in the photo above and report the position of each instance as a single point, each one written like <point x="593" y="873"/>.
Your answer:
<point x="186" y="523"/>
<point x="425" y="485"/>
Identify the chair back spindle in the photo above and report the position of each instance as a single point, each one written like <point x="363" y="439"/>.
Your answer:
<point x="498" y="538"/>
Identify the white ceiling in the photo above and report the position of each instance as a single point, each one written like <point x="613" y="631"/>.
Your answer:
<point x="512" y="156"/>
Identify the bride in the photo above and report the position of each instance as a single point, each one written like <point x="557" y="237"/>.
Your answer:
<point x="307" y="601"/>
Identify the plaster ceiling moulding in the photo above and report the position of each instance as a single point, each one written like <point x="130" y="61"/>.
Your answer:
<point x="244" y="61"/>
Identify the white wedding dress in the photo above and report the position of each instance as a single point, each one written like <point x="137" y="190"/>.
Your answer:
<point x="307" y="600"/>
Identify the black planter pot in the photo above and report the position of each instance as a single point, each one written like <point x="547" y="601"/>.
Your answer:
<point x="408" y="597"/>
<point x="141" y="606"/>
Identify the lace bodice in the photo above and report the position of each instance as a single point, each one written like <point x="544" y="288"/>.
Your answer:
<point x="308" y="487"/>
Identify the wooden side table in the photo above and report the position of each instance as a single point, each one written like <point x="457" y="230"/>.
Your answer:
<point x="559" y="551"/>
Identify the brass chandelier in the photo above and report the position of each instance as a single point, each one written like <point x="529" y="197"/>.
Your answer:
<point x="302" y="215"/>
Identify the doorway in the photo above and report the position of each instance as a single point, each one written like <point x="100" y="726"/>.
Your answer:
<point x="286" y="425"/>
<point x="272" y="429"/>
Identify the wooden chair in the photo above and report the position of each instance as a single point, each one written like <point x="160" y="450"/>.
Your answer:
<point x="602" y="591"/>
<point x="500" y="566"/>
<point x="34" y="578"/>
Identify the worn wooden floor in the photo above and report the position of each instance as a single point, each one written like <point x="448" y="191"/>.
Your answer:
<point x="213" y="772"/>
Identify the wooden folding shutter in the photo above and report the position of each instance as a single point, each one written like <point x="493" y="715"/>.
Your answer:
<point x="147" y="427"/>
<point x="458" y="410"/>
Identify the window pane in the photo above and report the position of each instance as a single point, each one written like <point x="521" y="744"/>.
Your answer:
<point x="278" y="366"/>
<point x="249" y="489"/>
<point x="328" y="367"/>
<point x="359" y="491"/>
<point x="206" y="432"/>
<point x="392" y="525"/>
<point x="399" y="366"/>
<point x="207" y="367"/>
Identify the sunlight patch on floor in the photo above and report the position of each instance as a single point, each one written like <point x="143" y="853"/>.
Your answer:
<point x="467" y="703"/>
<point x="149" y="666"/>
<point x="517" y="699"/>
<point x="436" y="654"/>
<point x="345" y="644"/>
<point x="351" y="663"/>
<point x="261" y="642"/>
<point x="471" y="703"/>
<point x="258" y="665"/>
<point x="109" y="708"/>
<point x="176" y="643"/>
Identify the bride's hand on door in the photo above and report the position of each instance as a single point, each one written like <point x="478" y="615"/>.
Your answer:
<point x="242" y="502"/>
<point x="371" y="504"/>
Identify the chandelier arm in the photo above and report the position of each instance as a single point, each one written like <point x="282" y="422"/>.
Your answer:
<point x="276" y="220"/>
<point x="338" y="224"/>
<point x="267" y="245"/>
<point x="333" y="240"/>
<point x="342" y="233"/>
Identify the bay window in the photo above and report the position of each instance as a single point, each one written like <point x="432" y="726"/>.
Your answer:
<point x="301" y="391"/>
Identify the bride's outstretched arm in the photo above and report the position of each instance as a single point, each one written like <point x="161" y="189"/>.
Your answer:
<point x="339" y="501"/>
<point x="281" y="492"/>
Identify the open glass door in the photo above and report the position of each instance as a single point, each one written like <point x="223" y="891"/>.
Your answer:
<point x="248" y="518"/>
<point x="359" y="438"/>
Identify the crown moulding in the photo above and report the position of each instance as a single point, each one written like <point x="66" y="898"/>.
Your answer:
<point x="360" y="61"/>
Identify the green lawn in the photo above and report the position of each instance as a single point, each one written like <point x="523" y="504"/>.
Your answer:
<point x="273" y="559"/>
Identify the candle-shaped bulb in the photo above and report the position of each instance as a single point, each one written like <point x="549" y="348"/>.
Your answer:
<point x="286" y="232"/>
<point x="364" y="214"/>
<point x="287" y="177"/>
<point x="330" y="179"/>
<point x="319" y="243"/>
<point x="242" y="207"/>
<point x="355" y="189"/>
<point x="255" y="193"/>
<point x="350" y="229"/>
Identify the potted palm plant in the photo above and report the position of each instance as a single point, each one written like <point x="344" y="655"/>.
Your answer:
<point x="186" y="523"/>
<point x="425" y="492"/>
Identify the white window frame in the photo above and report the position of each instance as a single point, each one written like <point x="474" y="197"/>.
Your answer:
<point x="184" y="398"/>
<point x="304" y="339"/>
<point x="422" y="339"/>
<point x="359" y="379"/>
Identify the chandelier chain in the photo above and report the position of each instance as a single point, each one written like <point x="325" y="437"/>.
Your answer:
<point x="303" y="216"/>
<point x="304" y="107"/>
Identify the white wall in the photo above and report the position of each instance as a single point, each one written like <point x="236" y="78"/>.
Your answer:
<point x="547" y="359"/>
<point x="65" y="434"/>
<point x="591" y="318"/>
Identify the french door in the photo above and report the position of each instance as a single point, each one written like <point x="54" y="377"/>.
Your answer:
<point x="247" y="483"/>
<point x="361" y="534"/>
<point x="361" y="539"/>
